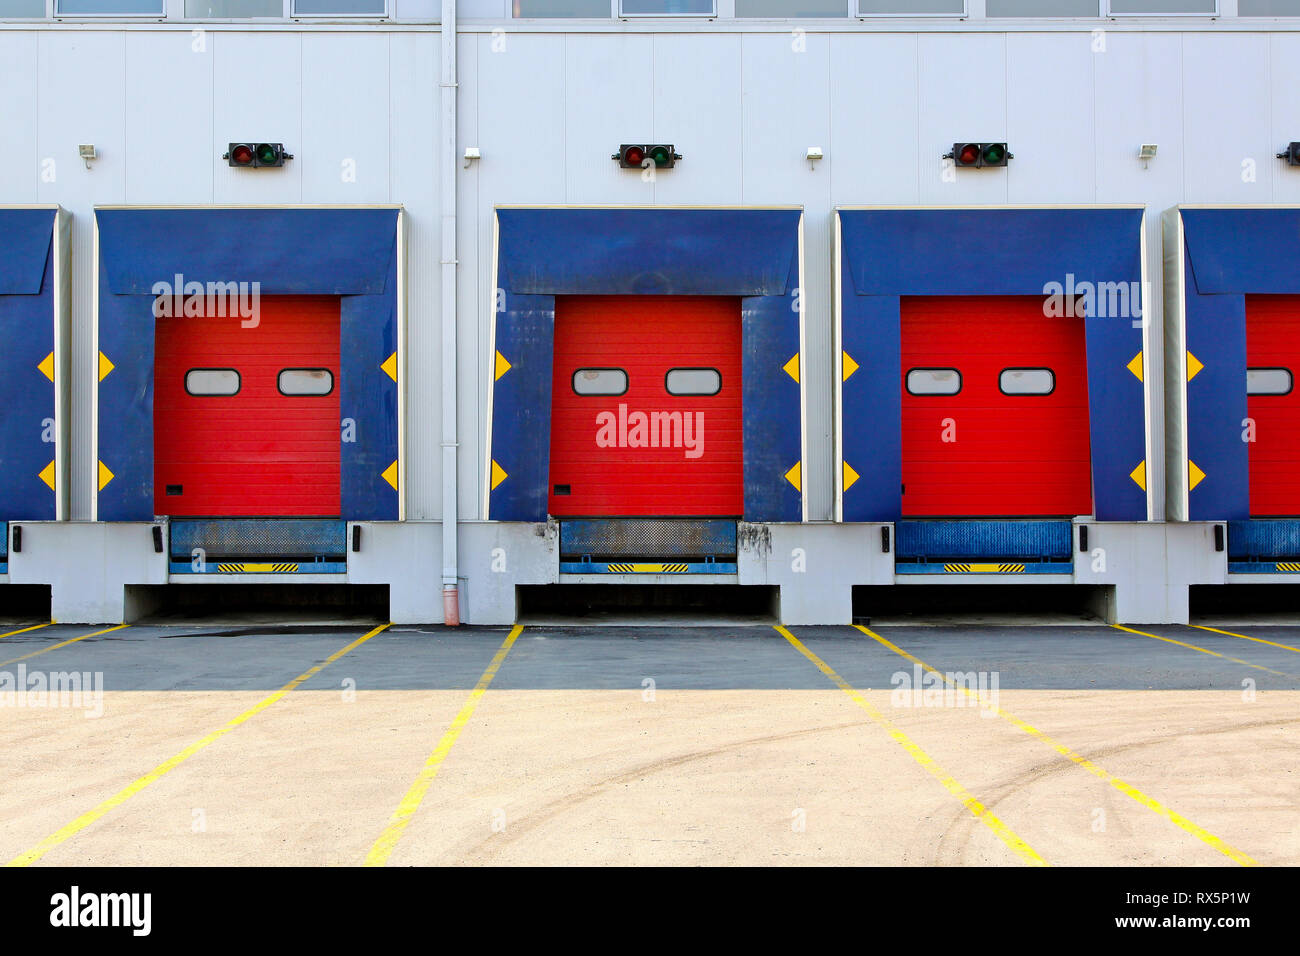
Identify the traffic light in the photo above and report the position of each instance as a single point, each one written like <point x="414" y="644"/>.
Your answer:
<point x="979" y="154"/>
<point x="253" y="155"/>
<point x="1292" y="154"/>
<point x="634" y="155"/>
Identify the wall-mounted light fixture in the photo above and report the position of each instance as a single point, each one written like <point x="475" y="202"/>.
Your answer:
<point x="87" y="152"/>
<point x="1146" y="153"/>
<point x="471" y="153"/>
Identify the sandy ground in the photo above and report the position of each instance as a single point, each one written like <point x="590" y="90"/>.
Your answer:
<point x="692" y="776"/>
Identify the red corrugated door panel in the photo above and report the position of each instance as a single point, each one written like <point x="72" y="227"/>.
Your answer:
<point x="1273" y="342"/>
<point x="255" y="452"/>
<point x="646" y="452"/>
<point x="981" y="452"/>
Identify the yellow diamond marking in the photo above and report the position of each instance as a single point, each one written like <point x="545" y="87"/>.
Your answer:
<point x="47" y="366"/>
<point x="1135" y="366"/>
<point x="390" y="475"/>
<point x="850" y="476"/>
<point x="850" y="366"/>
<point x="792" y="367"/>
<point x="105" y="476"/>
<point x="503" y="365"/>
<point x="105" y="366"/>
<point x="47" y="475"/>
<point x="1194" y="475"/>
<point x="1139" y="474"/>
<point x="1194" y="365"/>
<point x="498" y="474"/>
<point x="390" y="366"/>
<point x="792" y="476"/>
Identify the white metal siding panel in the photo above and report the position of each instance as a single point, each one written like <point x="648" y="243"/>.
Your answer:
<point x="1226" y="118"/>
<point x="1284" y="117"/>
<point x="963" y="97"/>
<point x="1050" y="118"/>
<point x="608" y="95"/>
<point x="169" y="118"/>
<point x="688" y="71"/>
<point x="20" y="164"/>
<point x="257" y="96"/>
<point x="874" y="155"/>
<point x="521" y="120"/>
<point x="343" y="155"/>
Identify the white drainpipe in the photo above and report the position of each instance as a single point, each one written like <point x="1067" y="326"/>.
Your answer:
<point x="447" y="208"/>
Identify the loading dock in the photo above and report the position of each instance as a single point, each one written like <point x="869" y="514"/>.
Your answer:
<point x="1232" y="419"/>
<point x="646" y="388"/>
<point x="992" y="397"/>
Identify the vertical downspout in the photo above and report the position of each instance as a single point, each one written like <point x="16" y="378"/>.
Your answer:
<point x="447" y="210"/>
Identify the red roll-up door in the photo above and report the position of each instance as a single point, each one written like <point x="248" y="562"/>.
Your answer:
<point x="980" y="451"/>
<point x="1273" y="344"/>
<point x="227" y="440"/>
<point x="621" y="442"/>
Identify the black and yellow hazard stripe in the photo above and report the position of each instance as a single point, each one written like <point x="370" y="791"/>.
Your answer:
<point x="245" y="568"/>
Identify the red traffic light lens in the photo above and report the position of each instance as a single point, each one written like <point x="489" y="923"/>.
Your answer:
<point x="633" y="155"/>
<point x="241" y="156"/>
<point x="969" y="155"/>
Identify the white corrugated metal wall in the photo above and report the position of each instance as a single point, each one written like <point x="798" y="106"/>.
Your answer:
<point x="358" y="108"/>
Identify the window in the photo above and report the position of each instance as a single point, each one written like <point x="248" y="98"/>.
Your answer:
<point x="791" y="8"/>
<point x="540" y="9"/>
<point x="233" y="9"/>
<point x="22" y="8"/>
<point x="339" y="8"/>
<point x="212" y="382"/>
<point x="1268" y="381"/>
<point x="933" y="381"/>
<point x="693" y="381"/>
<point x="1268" y="8"/>
<point x="666" y="8"/>
<point x="1043" y="8"/>
<point x="1146" y="7"/>
<point x="1027" y="381"/>
<point x="306" y="381"/>
<point x="911" y="8"/>
<point x="130" y="8"/>
<point x="599" y="381"/>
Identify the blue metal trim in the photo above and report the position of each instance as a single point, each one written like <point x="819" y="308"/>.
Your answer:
<point x="26" y="337"/>
<point x="257" y="539"/>
<point x="1046" y="567"/>
<point x="1259" y="567"/>
<point x="743" y="252"/>
<point x="896" y="252"/>
<point x="4" y="540"/>
<point x="1242" y="250"/>
<point x="304" y="567"/>
<point x="1264" y="539"/>
<point x="982" y="541"/>
<point x="347" y="252"/>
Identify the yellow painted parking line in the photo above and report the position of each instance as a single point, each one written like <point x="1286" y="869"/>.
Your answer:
<point x="1247" y="637"/>
<point x="24" y="630"/>
<point x="55" y="647"/>
<point x="167" y="766"/>
<point x="1202" y="834"/>
<point x="387" y="842"/>
<point x="977" y="809"/>
<point x="1206" y="650"/>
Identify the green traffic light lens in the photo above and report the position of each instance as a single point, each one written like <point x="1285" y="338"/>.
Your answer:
<point x="994" y="153"/>
<point x="660" y="156"/>
<point x="266" y="154"/>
